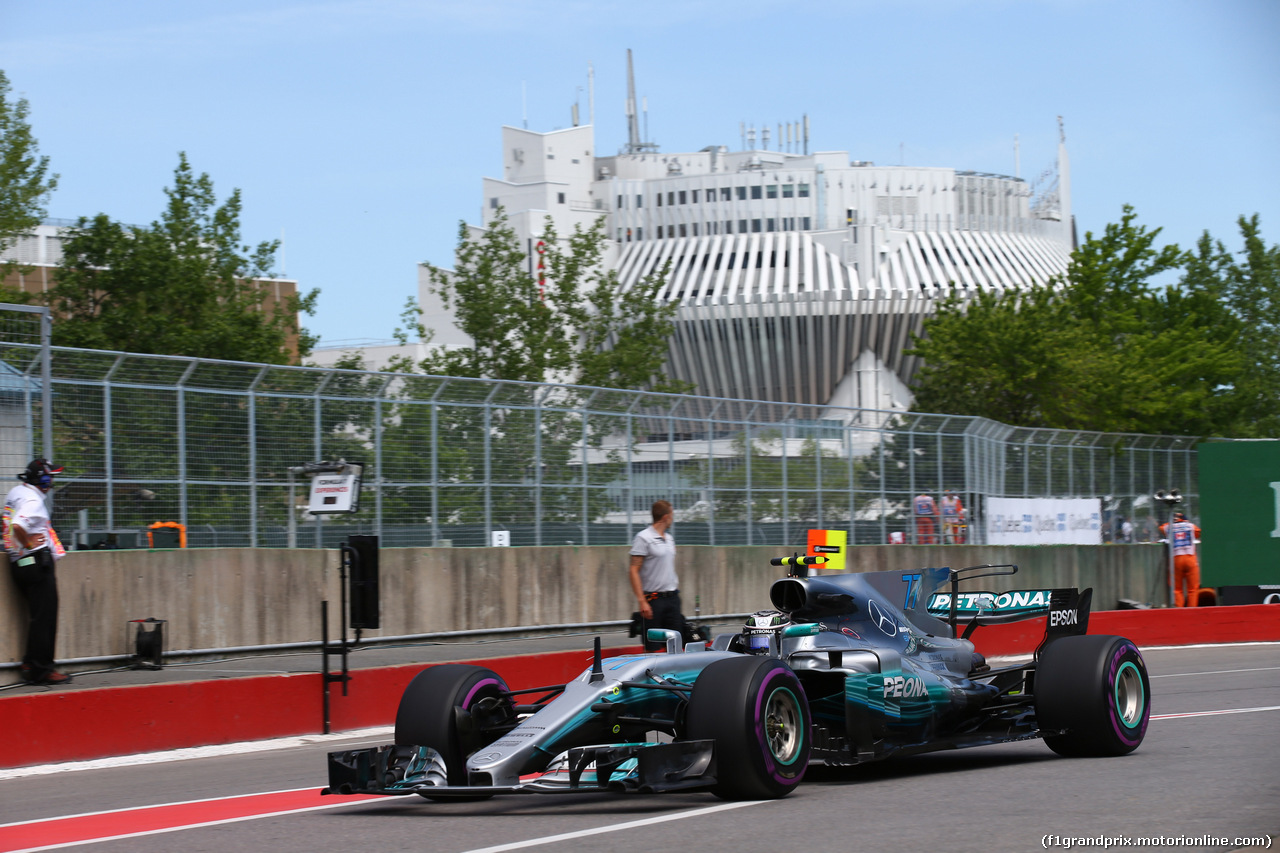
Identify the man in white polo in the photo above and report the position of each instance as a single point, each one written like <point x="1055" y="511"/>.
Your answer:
<point x="653" y="575"/>
<point x="33" y="547"/>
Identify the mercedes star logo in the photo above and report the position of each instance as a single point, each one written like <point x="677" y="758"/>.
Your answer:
<point x="884" y="621"/>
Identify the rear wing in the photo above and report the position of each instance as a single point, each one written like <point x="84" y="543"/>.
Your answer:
<point x="983" y="603"/>
<point x="1068" y="609"/>
<point x="991" y="608"/>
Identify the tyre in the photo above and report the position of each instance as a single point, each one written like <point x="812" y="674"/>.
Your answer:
<point x="429" y="713"/>
<point x="1096" y="689"/>
<point x="756" y="712"/>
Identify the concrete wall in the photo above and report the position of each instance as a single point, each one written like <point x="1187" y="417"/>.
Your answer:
<point x="222" y="598"/>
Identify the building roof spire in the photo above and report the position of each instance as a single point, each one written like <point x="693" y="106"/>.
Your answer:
<point x="635" y="145"/>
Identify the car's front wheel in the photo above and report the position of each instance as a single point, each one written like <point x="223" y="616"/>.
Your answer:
<point x="756" y="711"/>
<point x="437" y="699"/>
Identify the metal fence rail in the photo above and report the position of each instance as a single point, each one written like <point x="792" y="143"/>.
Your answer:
<point x="450" y="461"/>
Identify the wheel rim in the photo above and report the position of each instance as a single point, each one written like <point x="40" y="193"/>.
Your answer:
<point x="1130" y="697"/>
<point x="783" y="725"/>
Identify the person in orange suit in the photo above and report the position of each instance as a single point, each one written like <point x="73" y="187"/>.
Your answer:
<point x="925" y="511"/>
<point x="1186" y="569"/>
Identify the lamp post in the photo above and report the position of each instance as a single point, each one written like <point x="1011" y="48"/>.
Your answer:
<point x="1170" y="499"/>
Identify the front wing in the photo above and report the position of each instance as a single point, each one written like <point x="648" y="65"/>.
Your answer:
<point x="645" y="768"/>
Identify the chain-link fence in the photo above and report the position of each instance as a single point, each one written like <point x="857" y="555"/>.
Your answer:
<point x="449" y="461"/>
<point x="29" y="326"/>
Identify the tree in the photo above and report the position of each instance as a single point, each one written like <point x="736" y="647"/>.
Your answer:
<point x="1000" y="356"/>
<point x="1249" y="290"/>
<point x="812" y="486"/>
<point x="182" y="286"/>
<point x="25" y="181"/>
<point x="1107" y="349"/>
<point x="577" y="326"/>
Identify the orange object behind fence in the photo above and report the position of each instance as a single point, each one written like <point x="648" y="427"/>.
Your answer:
<point x="181" y="528"/>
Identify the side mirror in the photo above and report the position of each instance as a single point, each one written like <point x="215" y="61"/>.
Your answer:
<point x="664" y="635"/>
<point x="809" y="629"/>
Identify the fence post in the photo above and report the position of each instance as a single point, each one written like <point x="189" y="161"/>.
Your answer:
<point x="251" y="404"/>
<point x="749" y="451"/>
<point x="110" y="441"/>
<point x="182" y="442"/>
<point x="586" y="474"/>
<point x="488" y="472"/>
<point x="537" y="472"/>
<point x="435" y="475"/>
<point x="319" y="446"/>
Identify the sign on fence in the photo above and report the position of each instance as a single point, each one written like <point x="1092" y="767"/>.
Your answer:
<point x="1044" y="521"/>
<point x="336" y="491"/>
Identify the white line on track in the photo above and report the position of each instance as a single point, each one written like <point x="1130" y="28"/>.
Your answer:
<point x="617" y="827"/>
<point x="1216" y="672"/>
<point x="1210" y="646"/>
<point x="221" y="750"/>
<point x="1214" y="713"/>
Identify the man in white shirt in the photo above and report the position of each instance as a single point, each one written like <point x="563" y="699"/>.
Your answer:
<point x="653" y="575"/>
<point x="952" y="513"/>
<point x="32" y="547"/>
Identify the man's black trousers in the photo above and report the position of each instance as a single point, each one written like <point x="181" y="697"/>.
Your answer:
<point x="666" y="614"/>
<point x="39" y="586"/>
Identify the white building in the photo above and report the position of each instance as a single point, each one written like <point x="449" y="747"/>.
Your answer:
<point x="801" y="277"/>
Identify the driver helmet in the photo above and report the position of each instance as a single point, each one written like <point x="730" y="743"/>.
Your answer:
<point x="762" y="625"/>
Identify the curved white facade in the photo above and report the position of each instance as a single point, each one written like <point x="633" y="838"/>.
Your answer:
<point x="800" y="277"/>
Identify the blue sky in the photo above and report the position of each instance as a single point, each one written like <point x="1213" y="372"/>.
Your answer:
<point x="360" y="131"/>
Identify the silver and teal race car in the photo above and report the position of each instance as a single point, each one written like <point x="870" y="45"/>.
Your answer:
<point x="847" y="668"/>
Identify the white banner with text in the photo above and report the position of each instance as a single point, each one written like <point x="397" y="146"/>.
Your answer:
<point x="1044" y="521"/>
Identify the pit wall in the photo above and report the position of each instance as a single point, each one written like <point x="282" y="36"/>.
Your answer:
<point x="233" y="597"/>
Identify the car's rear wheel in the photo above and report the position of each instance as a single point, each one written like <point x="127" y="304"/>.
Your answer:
<point x="756" y="711"/>
<point x="1094" y="690"/>
<point x="438" y="698"/>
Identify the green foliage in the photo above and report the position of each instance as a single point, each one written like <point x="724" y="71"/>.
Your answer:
<point x="514" y="333"/>
<point x="1249" y="291"/>
<point x="580" y="327"/>
<point x="998" y="355"/>
<point x="762" y="482"/>
<point x="25" y="181"/>
<point x="182" y="286"/>
<point x="577" y="327"/>
<point x="1109" y="349"/>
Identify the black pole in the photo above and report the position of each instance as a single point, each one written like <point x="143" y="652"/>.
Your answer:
<point x="955" y="591"/>
<point x="324" y="652"/>
<point x="342" y="638"/>
<point x="345" y="552"/>
<point x="348" y="554"/>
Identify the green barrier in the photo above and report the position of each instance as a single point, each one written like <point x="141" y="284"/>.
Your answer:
<point x="1240" y="512"/>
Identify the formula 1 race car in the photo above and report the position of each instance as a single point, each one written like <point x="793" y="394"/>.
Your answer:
<point x="849" y="668"/>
